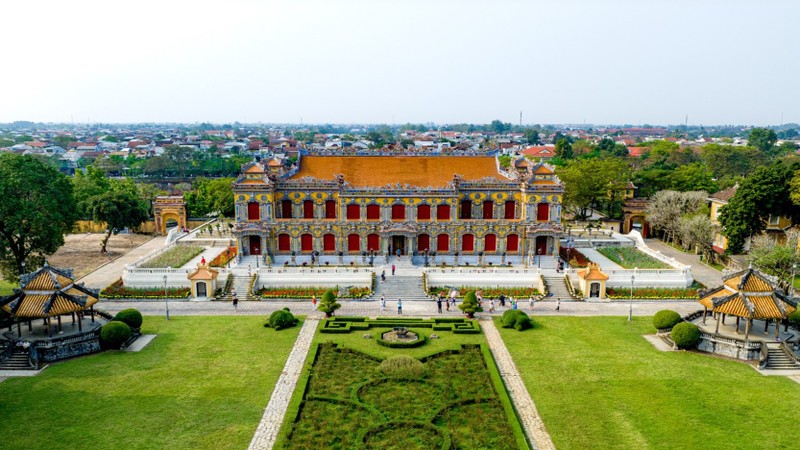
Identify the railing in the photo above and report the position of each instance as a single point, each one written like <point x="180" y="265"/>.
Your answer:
<point x="789" y="351"/>
<point x="748" y="345"/>
<point x="94" y="333"/>
<point x="498" y="270"/>
<point x="7" y="351"/>
<point x="691" y="316"/>
<point x="763" y="356"/>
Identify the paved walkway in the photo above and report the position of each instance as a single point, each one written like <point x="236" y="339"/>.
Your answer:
<point x="601" y="259"/>
<point x="523" y="403"/>
<point x="111" y="272"/>
<point x="707" y="275"/>
<point x="270" y="425"/>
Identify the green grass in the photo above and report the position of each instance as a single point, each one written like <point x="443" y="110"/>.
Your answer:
<point x="630" y="258"/>
<point x="342" y="405"/>
<point x="7" y="287"/>
<point x="203" y="383"/>
<point x="175" y="257"/>
<point x="598" y="384"/>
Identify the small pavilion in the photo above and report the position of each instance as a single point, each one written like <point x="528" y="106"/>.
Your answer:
<point x="592" y="281"/>
<point x="203" y="280"/>
<point x="46" y="293"/>
<point x="748" y="294"/>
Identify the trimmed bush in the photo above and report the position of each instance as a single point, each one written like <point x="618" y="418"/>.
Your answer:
<point x="794" y="318"/>
<point x="328" y="304"/>
<point x="523" y="322"/>
<point x="514" y="318"/>
<point x="114" y="334"/>
<point x="470" y="305"/>
<point x="685" y="335"/>
<point x="402" y="367"/>
<point x="281" y="319"/>
<point x="130" y="316"/>
<point x="666" y="319"/>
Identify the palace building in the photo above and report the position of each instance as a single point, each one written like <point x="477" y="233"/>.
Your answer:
<point x="349" y="205"/>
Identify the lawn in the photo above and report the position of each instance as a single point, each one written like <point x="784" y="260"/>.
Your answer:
<point x="630" y="258"/>
<point x="175" y="257"/>
<point x="598" y="384"/>
<point x="203" y="383"/>
<point x="7" y="287"/>
<point x="455" y="396"/>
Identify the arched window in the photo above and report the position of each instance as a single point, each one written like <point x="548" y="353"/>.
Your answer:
<point x="424" y="212"/>
<point x="490" y="243"/>
<point x="284" y="243"/>
<point x="467" y="243"/>
<point x="543" y="212"/>
<point x="488" y="210"/>
<point x="423" y="242"/>
<point x="308" y="209"/>
<point x="443" y="243"/>
<point x="510" y="210"/>
<point x="512" y="243"/>
<point x="466" y="209"/>
<point x="253" y="211"/>
<point x="353" y="212"/>
<point x="306" y="243"/>
<point x="353" y="243"/>
<point x="286" y="209"/>
<point x="328" y="243"/>
<point x="373" y="212"/>
<point x="330" y="209"/>
<point x="443" y="212"/>
<point x="399" y="212"/>
<point x="373" y="242"/>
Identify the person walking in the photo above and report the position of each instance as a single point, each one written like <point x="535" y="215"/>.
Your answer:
<point x="558" y="304"/>
<point x="447" y="304"/>
<point x="235" y="303"/>
<point x="383" y="276"/>
<point x="393" y="268"/>
<point x="439" y="304"/>
<point x="530" y="302"/>
<point x="491" y="305"/>
<point x="502" y="299"/>
<point x="399" y="306"/>
<point x="383" y="302"/>
<point x="314" y="302"/>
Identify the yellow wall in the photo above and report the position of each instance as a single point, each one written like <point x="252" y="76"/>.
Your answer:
<point x="148" y="227"/>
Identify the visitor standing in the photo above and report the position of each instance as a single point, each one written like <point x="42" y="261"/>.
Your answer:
<point x="383" y="276"/>
<point x="447" y="304"/>
<point x="502" y="299"/>
<point x="314" y="302"/>
<point x="530" y="302"/>
<point x="558" y="304"/>
<point x="383" y="302"/>
<point x="393" y="268"/>
<point x="249" y="270"/>
<point x="235" y="303"/>
<point x="491" y="305"/>
<point x="398" y="254"/>
<point x="439" y="304"/>
<point x="399" y="306"/>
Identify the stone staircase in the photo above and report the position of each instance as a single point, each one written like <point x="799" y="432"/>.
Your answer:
<point x="241" y="283"/>
<point x="556" y="284"/>
<point x="408" y="288"/>
<point x="777" y="359"/>
<point x="17" y="361"/>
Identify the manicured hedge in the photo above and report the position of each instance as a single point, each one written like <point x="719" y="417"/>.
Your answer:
<point x="514" y="318"/>
<point x="130" y="316"/>
<point x="666" y="319"/>
<point x="118" y="290"/>
<point x="281" y="319"/>
<point x="394" y="344"/>
<point x="114" y="334"/>
<point x="685" y="335"/>
<point x="794" y="318"/>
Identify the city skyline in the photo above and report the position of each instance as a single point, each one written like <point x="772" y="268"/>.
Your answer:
<point x="619" y="62"/>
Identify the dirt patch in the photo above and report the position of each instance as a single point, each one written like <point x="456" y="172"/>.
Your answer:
<point x="81" y="252"/>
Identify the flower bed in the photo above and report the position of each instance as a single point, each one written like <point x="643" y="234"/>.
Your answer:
<point x="575" y="258"/>
<point x="175" y="257"/>
<point x="489" y="292"/>
<point x="117" y="290"/>
<point x="630" y="258"/>
<point x="654" y="293"/>
<point x="222" y="259"/>
<point x="307" y="292"/>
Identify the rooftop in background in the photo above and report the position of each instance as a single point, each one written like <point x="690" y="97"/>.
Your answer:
<point x="423" y="171"/>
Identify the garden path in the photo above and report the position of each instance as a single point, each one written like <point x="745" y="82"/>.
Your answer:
<point x="523" y="403"/>
<point x="111" y="272"/>
<point x="270" y="425"/>
<point x="703" y="273"/>
<point x="599" y="258"/>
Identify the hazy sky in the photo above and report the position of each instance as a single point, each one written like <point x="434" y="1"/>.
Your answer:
<point x="385" y="61"/>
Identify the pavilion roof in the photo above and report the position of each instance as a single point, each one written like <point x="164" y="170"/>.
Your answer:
<point x="48" y="292"/>
<point x="749" y="293"/>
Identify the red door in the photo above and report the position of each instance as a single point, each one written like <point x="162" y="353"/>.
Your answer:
<point x="488" y="210"/>
<point x="330" y="209"/>
<point x="353" y="243"/>
<point x="398" y="212"/>
<point x="353" y="212"/>
<point x="423" y="242"/>
<point x="306" y="243"/>
<point x="286" y="209"/>
<point x="308" y="209"/>
<point x="510" y="210"/>
<point x="284" y="243"/>
<point x="373" y="242"/>
<point x="467" y="243"/>
<point x="424" y="212"/>
<point x="543" y="212"/>
<point x="512" y="243"/>
<point x="329" y="243"/>
<point x="541" y="245"/>
<point x="373" y="212"/>
<point x="443" y="243"/>
<point x="253" y="211"/>
<point x="255" y="245"/>
<point x="443" y="212"/>
<point x="490" y="243"/>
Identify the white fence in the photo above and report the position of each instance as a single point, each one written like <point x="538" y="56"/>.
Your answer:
<point x="314" y="277"/>
<point x="137" y="277"/>
<point x="655" y="278"/>
<point x="486" y="278"/>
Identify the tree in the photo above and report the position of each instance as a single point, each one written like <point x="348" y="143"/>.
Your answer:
<point x="36" y="209"/>
<point x="588" y="183"/>
<point x="63" y="140"/>
<point x="88" y="184"/>
<point x="763" y="193"/>
<point x="328" y="303"/>
<point x="698" y="232"/>
<point x="211" y="196"/>
<point x="777" y="259"/>
<point x="148" y="193"/>
<point x="470" y="305"/>
<point x="532" y="137"/>
<point x="499" y="127"/>
<point x="119" y="209"/>
<point x="729" y="160"/>
<point x="763" y="139"/>
<point x="564" y="148"/>
<point x="693" y="177"/>
<point x="667" y="207"/>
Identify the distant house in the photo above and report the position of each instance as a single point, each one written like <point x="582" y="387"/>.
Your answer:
<point x="540" y="151"/>
<point x="636" y="152"/>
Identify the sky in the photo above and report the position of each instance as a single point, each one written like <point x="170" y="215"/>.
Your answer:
<point x="708" y="62"/>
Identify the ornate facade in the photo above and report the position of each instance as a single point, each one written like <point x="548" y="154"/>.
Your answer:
<point x="348" y="205"/>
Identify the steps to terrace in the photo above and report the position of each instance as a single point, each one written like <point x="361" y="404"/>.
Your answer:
<point x="408" y="288"/>
<point x="777" y="359"/>
<point x="17" y="361"/>
<point x="556" y="284"/>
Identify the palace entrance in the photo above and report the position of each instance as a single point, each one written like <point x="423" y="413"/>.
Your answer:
<point x="398" y="242"/>
<point x="255" y="245"/>
<point x="541" y="245"/>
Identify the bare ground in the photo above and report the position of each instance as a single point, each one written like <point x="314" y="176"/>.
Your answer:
<point x="81" y="252"/>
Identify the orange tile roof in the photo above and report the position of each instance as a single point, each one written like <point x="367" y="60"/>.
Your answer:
<point x="423" y="171"/>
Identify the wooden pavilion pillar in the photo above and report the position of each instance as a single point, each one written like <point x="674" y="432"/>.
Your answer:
<point x="737" y="325"/>
<point x="766" y="326"/>
<point x="19" y="329"/>
<point x="723" y="318"/>
<point x="747" y="329"/>
<point x="80" y="322"/>
<point x="49" y="327"/>
<point x="30" y="326"/>
<point x="705" y="313"/>
<point x="58" y="319"/>
<point x="717" y="330"/>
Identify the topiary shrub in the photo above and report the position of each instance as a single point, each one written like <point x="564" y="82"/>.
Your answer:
<point x="114" y="334"/>
<point x="328" y="303"/>
<point x="523" y="322"/>
<point x="794" y="318"/>
<point x="514" y="318"/>
<point x="281" y="319"/>
<point x="509" y="318"/>
<point x="402" y="367"/>
<point x="666" y="319"/>
<point x="685" y="335"/>
<point x="470" y="305"/>
<point x="130" y="316"/>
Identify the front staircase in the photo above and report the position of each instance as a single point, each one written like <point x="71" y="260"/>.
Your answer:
<point x="556" y="285"/>
<point x="17" y="361"/>
<point x="408" y="288"/>
<point x="777" y="359"/>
